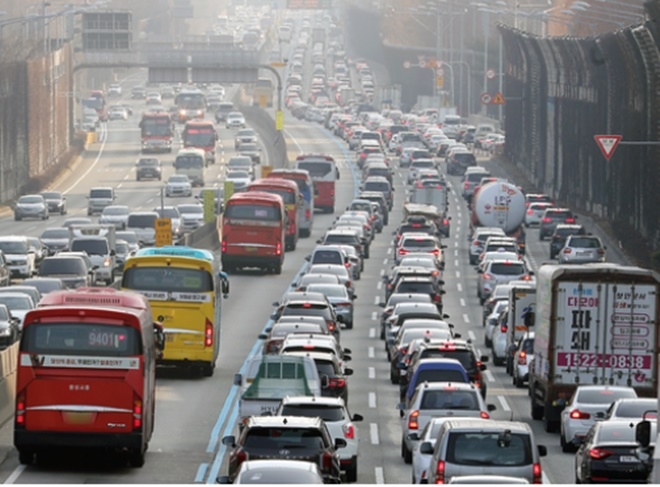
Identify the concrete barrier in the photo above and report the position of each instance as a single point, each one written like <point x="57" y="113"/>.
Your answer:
<point x="8" y="366"/>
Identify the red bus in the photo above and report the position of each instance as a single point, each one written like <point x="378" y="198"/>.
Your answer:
<point x="306" y="189"/>
<point x="87" y="374"/>
<point x="156" y="131"/>
<point x="288" y="190"/>
<point x="323" y="170"/>
<point x="200" y="134"/>
<point x="252" y="233"/>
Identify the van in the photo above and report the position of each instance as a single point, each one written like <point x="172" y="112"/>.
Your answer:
<point x="98" y="199"/>
<point x="483" y="446"/>
<point x="432" y="370"/>
<point x="191" y="163"/>
<point x="143" y="223"/>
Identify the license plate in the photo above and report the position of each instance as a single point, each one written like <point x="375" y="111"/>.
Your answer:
<point x="250" y="249"/>
<point x="583" y="254"/>
<point x="628" y="459"/>
<point x="76" y="417"/>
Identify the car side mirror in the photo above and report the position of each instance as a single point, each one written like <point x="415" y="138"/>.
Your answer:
<point x="263" y="336"/>
<point x="348" y="371"/>
<point x="357" y="418"/>
<point x="325" y="381"/>
<point x="340" y="443"/>
<point x="426" y="448"/>
<point x="229" y="440"/>
<point x="238" y="379"/>
<point x="113" y="252"/>
<point x="643" y="433"/>
<point x="340" y="319"/>
<point x="347" y="358"/>
<point x="491" y="407"/>
<point x="222" y="479"/>
<point x="381" y="304"/>
<point x="483" y="359"/>
<point x="457" y="335"/>
<point x="543" y="450"/>
<point x="599" y="416"/>
<point x="308" y="257"/>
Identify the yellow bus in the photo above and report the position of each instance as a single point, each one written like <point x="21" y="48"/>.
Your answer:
<point x="262" y="94"/>
<point x="183" y="286"/>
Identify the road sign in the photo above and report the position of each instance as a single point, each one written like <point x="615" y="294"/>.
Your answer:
<point x="490" y="74"/>
<point x="439" y="72"/>
<point x="209" y="205"/>
<point x="266" y="170"/>
<point x="607" y="144"/>
<point x="229" y="191"/>
<point x="498" y="99"/>
<point x="163" y="228"/>
<point x="406" y="64"/>
<point x="485" y="98"/>
<point x="279" y="120"/>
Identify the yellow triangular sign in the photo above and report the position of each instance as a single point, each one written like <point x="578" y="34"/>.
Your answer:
<point x="498" y="99"/>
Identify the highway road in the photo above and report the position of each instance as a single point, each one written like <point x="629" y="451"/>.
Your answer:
<point x="193" y="414"/>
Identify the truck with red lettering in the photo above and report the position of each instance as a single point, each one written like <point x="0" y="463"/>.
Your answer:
<point x="594" y="324"/>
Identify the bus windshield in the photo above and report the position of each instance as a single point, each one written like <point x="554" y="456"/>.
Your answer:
<point x="189" y="162"/>
<point x="190" y="100"/>
<point x="253" y="212"/>
<point x="87" y="339"/>
<point x="316" y="169"/>
<point x="170" y="279"/>
<point x="156" y="126"/>
<point x="200" y="137"/>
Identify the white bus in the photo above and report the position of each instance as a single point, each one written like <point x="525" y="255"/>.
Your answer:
<point x="191" y="162"/>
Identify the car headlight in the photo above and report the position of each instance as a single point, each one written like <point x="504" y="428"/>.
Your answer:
<point x="106" y="262"/>
<point x="5" y="332"/>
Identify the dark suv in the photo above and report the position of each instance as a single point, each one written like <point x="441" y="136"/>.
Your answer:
<point x="285" y="438"/>
<point x="148" y="168"/>
<point x="460" y="350"/>
<point x="458" y="162"/>
<point x="553" y="217"/>
<point x="561" y="233"/>
<point x="425" y="285"/>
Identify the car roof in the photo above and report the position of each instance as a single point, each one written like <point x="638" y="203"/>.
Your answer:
<point x="284" y="422"/>
<point x="314" y="355"/>
<point x="478" y="424"/>
<point x="435" y="385"/>
<point x="318" y="400"/>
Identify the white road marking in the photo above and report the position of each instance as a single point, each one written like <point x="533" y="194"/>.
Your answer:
<point x="462" y="301"/>
<point x="459" y="213"/>
<point x="373" y="430"/>
<point x="372" y="401"/>
<point x="505" y="405"/>
<point x="380" y="478"/>
<point x="374" y="315"/>
<point x="372" y="352"/>
<point x="458" y="274"/>
<point x="489" y="375"/>
<point x="379" y="286"/>
<point x="456" y="252"/>
<point x="389" y="251"/>
<point x="15" y="474"/>
<point x="459" y="221"/>
<point x="466" y="318"/>
<point x="119" y="185"/>
<point x="377" y="300"/>
<point x="382" y="272"/>
<point x="471" y="335"/>
<point x="459" y="286"/>
<point x="544" y="478"/>
<point x="372" y="333"/>
<point x="372" y="375"/>
<point x="385" y="261"/>
<point x="456" y="262"/>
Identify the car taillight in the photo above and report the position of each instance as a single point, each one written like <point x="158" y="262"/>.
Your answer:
<point x="477" y="243"/>
<point x="278" y="248"/>
<point x="440" y="472"/>
<point x="349" y="431"/>
<point x="137" y="413"/>
<point x="445" y="222"/>
<point x="403" y="251"/>
<point x="522" y="358"/>
<point x="577" y="414"/>
<point x="331" y="326"/>
<point x="530" y="212"/>
<point x="526" y="277"/>
<point x="484" y="415"/>
<point x="208" y="334"/>
<point x="347" y="265"/>
<point x="599" y="453"/>
<point x="435" y="251"/>
<point x="240" y="456"/>
<point x="537" y="474"/>
<point x="546" y="220"/>
<point x="308" y="214"/>
<point x="224" y="246"/>
<point x="336" y="383"/>
<point x="503" y="328"/>
<point x="342" y="305"/>
<point x="20" y="409"/>
<point x="413" y="423"/>
<point x="348" y="284"/>
<point x="487" y="276"/>
<point x="466" y="185"/>
<point x="437" y="298"/>
<point x="326" y="461"/>
<point x="600" y="251"/>
<point x="570" y="220"/>
<point x="567" y="251"/>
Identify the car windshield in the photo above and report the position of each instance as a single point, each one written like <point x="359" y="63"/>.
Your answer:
<point x="148" y="162"/>
<point x="585" y="243"/>
<point x="489" y="449"/>
<point x="101" y="193"/>
<point x="329" y="269"/>
<point x="340" y="239"/>
<point x="450" y="399"/>
<point x="465" y="357"/>
<point x="558" y="215"/>
<point x="18" y="247"/>
<point x="507" y="268"/>
<point x="603" y="396"/>
<point x="307" y="310"/>
<point x="55" y="233"/>
<point x="142" y="221"/>
<point x="415" y="287"/>
<point x="637" y="408"/>
<point x="421" y="243"/>
<point x="237" y="175"/>
<point x="130" y="237"/>
<point x="52" y="196"/>
<point x="4" y="315"/>
<point x="276" y="439"/>
<point x="178" y="179"/>
<point x="331" y="291"/>
<point x="190" y="209"/>
<point x="121" y="248"/>
<point x="325" y="412"/>
<point x="30" y="200"/>
<point x="528" y="346"/>
<point x="167" y="212"/>
<point x="239" y="162"/>
<point x="55" y="266"/>
<point x="327" y="257"/>
<point x="90" y="246"/>
<point x="440" y="375"/>
<point x="16" y="302"/>
<point x="115" y="210"/>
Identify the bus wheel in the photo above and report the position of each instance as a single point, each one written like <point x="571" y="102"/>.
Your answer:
<point x="136" y="458"/>
<point x="207" y="370"/>
<point x="25" y="457"/>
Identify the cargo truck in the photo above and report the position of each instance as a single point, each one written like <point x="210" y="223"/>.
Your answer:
<point x="595" y="324"/>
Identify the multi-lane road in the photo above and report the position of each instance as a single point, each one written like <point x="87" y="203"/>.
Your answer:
<point x="193" y="415"/>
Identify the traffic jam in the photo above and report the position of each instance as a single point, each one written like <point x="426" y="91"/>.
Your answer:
<point x="562" y="333"/>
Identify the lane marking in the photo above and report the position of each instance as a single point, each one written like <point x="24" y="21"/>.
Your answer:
<point x="15" y="474"/>
<point x="459" y="286"/>
<point x="379" y="286"/>
<point x="385" y="261"/>
<point x="489" y="375"/>
<point x="380" y="478"/>
<point x="505" y="405"/>
<point x="93" y="165"/>
<point x="372" y="333"/>
<point x="377" y="300"/>
<point x="458" y="274"/>
<point x="466" y="318"/>
<point x="462" y="301"/>
<point x="374" y="315"/>
<point x="456" y="262"/>
<point x="456" y="243"/>
<point x="373" y="432"/>
<point x="456" y="253"/>
<point x="471" y="335"/>
<point x="372" y="373"/>
<point x="372" y="353"/>
<point x="382" y="272"/>
<point x="201" y="472"/>
<point x="372" y="402"/>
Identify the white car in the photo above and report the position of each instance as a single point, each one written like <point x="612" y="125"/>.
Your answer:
<point x="117" y="113"/>
<point x="535" y="213"/>
<point x="491" y="321"/>
<point x="498" y="341"/>
<point x="18" y="304"/>
<point x="116" y="215"/>
<point x="241" y="179"/>
<point x="235" y="120"/>
<point x="522" y="358"/>
<point x="580" y="413"/>
<point x="340" y="423"/>
<point x="192" y="216"/>
<point x="423" y="450"/>
<point x="114" y="90"/>
<point x="178" y="185"/>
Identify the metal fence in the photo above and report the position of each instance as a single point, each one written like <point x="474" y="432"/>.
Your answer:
<point x="560" y="93"/>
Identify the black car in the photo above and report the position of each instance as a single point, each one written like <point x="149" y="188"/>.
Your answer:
<point x="148" y="168"/>
<point x="609" y="453"/>
<point x="285" y="437"/>
<point x="56" y="202"/>
<point x="377" y="197"/>
<point x="459" y="162"/>
<point x="425" y="285"/>
<point x="561" y="233"/>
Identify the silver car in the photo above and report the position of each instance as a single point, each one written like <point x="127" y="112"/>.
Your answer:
<point x="497" y="272"/>
<point x="31" y="206"/>
<point x="178" y="185"/>
<point x="338" y="296"/>
<point x="192" y="216"/>
<point x="478" y="240"/>
<point x="55" y="239"/>
<point x="240" y="179"/>
<point x="116" y="215"/>
<point x="582" y="249"/>
<point x="235" y="120"/>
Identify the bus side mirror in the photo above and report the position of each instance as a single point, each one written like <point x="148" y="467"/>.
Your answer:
<point x="159" y="338"/>
<point x="224" y="285"/>
<point x="643" y="433"/>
